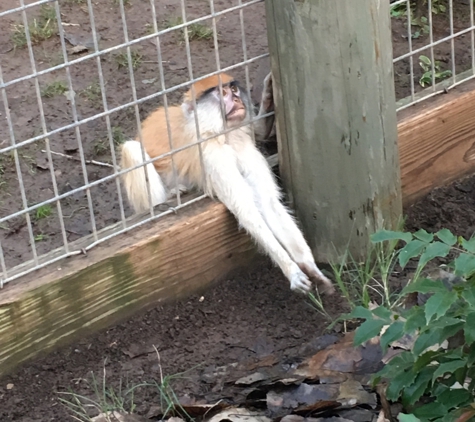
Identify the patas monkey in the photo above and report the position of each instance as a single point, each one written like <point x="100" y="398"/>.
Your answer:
<point x="235" y="171"/>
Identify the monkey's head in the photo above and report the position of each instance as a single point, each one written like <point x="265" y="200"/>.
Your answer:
<point x="207" y="94"/>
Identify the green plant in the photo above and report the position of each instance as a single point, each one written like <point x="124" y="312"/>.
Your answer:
<point x="92" y="92"/>
<point x="126" y="2"/>
<point x="53" y="89"/>
<point x="123" y="61"/>
<point x="40" y="29"/>
<point x="439" y="366"/>
<point x="196" y="31"/>
<point x="43" y="211"/>
<point x="106" y="399"/>
<point x="40" y="237"/>
<point x="426" y="78"/>
<point x="118" y="135"/>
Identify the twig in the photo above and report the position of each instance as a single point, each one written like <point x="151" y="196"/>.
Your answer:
<point x="69" y="157"/>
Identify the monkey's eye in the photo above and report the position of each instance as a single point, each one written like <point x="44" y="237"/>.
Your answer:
<point x="234" y="88"/>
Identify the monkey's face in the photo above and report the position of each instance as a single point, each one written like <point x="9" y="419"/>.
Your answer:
<point x="234" y="106"/>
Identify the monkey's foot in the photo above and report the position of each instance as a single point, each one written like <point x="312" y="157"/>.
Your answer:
<point x="324" y="285"/>
<point x="181" y="188"/>
<point x="300" y="282"/>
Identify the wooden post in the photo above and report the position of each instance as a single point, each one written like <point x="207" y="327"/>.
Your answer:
<point x="336" y="119"/>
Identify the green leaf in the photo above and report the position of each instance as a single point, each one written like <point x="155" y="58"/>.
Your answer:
<point x="424" y="341"/>
<point x="423" y="360"/>
<point x="450" y="367"/>
<point x="468" y="245"/>
<point x="434" y="250"/>
<point x="452" y="398"/>
<point x="469" y="328"/>
<point x="425" y="285"/>
<point x="383" y="313"/>
<point x="403" y="417"/>
<point x="471" y="355"/>
<point x="415" y="391"/>
<point x="394" y="332"/>
<point x="369" y="329"/>
<point x="447" y="237"/>
<point x="399" y="382"/>
<point x="469" y="296"/>
<point x="424" y="236"/>
<point x="464" y="265"/>
<point x="359" y="312"/>
<point x="411" y="250"/>
<point x="383" y="235"/>
<point x="449" y="330"/>
<point x="415" y="319"/>
<point x="431" y="411"/>
<point x="396" y="365"/>
<point x="439" y="304"/>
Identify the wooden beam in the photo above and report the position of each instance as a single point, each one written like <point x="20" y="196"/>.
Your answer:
<point x="437" y="142"/>
<point x="336" y="119"/>
<point x="163" y="261"/>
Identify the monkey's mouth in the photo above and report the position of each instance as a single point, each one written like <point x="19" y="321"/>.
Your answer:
<point x="237" y="113"/>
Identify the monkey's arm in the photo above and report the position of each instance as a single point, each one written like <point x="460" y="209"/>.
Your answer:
<point x="228" y="184"/>
<point x="265" y="128"/>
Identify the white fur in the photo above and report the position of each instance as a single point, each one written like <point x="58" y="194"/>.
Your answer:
<point x="135" y="182"/>
<point x="240" y="177"/>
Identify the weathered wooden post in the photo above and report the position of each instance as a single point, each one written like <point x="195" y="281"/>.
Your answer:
<point x="336" y="119"/>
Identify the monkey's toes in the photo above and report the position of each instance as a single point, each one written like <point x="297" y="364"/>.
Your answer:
<point x="300" y="282"/>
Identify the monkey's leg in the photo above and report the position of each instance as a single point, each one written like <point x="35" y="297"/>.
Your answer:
<point x="235" y="193"/>
<point x="268" y="198"/>
<point x="135" y="182"/>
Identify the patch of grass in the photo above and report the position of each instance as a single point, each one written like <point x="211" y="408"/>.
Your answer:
<point x="118" y="135"/>
<point x="40" y="29"/>
<point x="44" y="211"/>
<point x="92" y="92"/>
<point x="106" y="400"/>
<point x="53" y="89"/>
<point x="196" y="31"/>
<point x="102" y="145"/>
<point x="122" y="59"/>
<point x="41" y="237"/>
<point x="126" y="2"/>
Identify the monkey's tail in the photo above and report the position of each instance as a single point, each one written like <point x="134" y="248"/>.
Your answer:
<point x="135" y="182"/>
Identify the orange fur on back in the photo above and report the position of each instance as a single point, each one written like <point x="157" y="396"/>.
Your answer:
<point x="155" y="134"/>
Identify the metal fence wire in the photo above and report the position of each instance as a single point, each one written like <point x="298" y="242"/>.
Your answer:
<point x="78" y="76"/>
<point x="433" y="47"/>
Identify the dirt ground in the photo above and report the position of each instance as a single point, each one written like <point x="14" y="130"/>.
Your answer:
<point x="248" y="316"/>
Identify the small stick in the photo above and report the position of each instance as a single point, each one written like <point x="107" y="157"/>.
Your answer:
<point x="69" y="157"/>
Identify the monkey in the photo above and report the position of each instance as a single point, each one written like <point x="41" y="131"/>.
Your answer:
<point x="235" y="171"/>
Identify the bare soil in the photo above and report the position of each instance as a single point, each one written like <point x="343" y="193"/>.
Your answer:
<point x="248" y="316"/>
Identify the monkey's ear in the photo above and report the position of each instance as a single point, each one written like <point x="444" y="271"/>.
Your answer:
<point x="187" y="107"/>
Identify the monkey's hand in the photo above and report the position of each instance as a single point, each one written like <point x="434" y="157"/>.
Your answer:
<point x="299" y="281"/>
<point x="324" y="285"/>
<point x="267" y="101"/>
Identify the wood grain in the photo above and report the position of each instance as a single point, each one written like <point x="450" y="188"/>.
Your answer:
<point x="336" y="119"/>
<point x="164" y="261"/>
<point x="437" y="143"/>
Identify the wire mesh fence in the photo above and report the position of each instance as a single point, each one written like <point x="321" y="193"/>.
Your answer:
<point x="77" y="77"/>
<point x="433" y="47"/>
